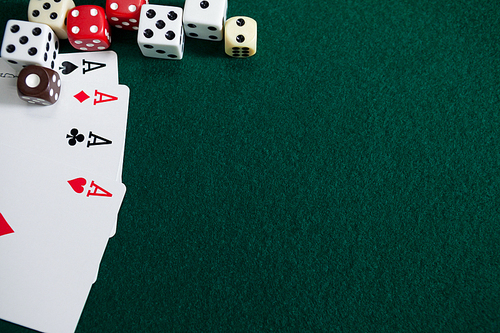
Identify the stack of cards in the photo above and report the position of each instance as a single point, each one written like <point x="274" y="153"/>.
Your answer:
<point x="60" y="190"/>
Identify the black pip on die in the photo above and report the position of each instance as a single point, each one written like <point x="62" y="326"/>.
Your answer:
<point x="160" y="32"/>
<point x="27" y="43"/>
<point x="240" y="40"/>
<point x="51" y="12"/>
<point x="205" y="19"/>
<point x="39" y="85"/>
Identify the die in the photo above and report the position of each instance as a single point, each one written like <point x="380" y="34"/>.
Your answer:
<point x="124" y="14"/>
<point x="88" y="29"/>
<point x="205" y="19"/>
<point x="161" y="34"/>
<point x="52" y="13"/>
<point x="39" y="85"/>
<point x="240" y="37"/>
<point x="29" y="43"/>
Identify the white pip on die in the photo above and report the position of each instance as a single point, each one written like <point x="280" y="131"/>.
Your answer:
<point x="205" y="19"/>
<point x="28" y="43"/>
<point x="161" y="34"/>
<point x="51" y="12"/>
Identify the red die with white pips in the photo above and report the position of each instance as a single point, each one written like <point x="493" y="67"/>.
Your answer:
<point x="124" y="14"/>
<point x="88" y="28"/>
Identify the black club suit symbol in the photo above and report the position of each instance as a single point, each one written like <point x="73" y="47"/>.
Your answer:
<point x="74" y="137"/>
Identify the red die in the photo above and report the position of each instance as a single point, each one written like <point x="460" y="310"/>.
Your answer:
<point x="88" y="29"/>
<point x="124" y="14"/>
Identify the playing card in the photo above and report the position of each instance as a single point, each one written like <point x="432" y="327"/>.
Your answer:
<point x="83" y="67"/>
<point x="54" y="226"/>
<point x="79" y="68"/>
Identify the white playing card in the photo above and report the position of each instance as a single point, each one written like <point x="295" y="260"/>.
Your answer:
<point x="58" y="219"/>
<point x="85" y="67"/>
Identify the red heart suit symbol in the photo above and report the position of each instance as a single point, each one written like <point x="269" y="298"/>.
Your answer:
<point x="77" y="184"/>
<point x="4" y="226"/>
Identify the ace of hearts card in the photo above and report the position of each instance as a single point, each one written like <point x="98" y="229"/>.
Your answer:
<point x="55" y="223"/>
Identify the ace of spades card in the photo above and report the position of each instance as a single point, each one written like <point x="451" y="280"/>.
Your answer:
<point x="54" y="226"/>
<point x="75" y="68"/>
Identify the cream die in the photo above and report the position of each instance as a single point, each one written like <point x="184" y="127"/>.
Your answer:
<point x="240" y="40"/>
<point x="51" y="12"/>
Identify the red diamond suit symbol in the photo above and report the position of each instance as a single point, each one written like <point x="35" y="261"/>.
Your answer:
<point x="4" y="226"/>
<point x="81" y="96"/>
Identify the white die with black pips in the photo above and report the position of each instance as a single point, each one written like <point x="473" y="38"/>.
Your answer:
<point x="161" y="34"/>
<point x="28" y="43"/>
<point x="205" y="19"/>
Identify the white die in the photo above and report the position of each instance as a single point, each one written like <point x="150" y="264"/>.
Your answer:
<point x="160" y="32"/>
<point x="51" y="12"/>
<point x="28" y="43"/>
<point x="205" y="19"/>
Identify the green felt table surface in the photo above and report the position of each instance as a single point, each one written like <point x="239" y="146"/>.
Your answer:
<point x="344" y="179"/>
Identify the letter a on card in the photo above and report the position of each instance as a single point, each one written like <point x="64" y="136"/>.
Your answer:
<point x="97" y="140"/>
<point x="108" y="98"/>
<point x="98" y="191"/>
<point x="89" y="64"/>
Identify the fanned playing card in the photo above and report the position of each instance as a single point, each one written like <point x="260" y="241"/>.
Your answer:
<point x="58" y="219"/>
<point x="97" y="67"/>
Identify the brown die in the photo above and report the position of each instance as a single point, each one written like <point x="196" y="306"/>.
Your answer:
<point x="39" y="85"/>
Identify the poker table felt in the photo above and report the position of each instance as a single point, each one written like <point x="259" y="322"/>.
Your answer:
<point x="344" y="179"/>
